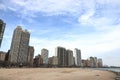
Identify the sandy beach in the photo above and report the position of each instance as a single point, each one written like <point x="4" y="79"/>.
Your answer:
<point x="55" y="74"/>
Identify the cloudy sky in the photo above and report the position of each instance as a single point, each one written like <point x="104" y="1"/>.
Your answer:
<point x="90" y="25"/>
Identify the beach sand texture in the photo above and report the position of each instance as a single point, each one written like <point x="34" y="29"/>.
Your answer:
<point x="55" y="74"/>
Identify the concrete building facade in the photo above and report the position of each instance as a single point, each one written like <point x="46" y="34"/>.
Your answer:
<point x="61" y="55"/>
<point x="44" y="55"/>
<point x="78" y="61"/>
<point x="85" y="63"/>
<point x="23" y="47"/>
<point x="69" y="55"/>
<point x="93" y="62"/>
<point x="30" y="55"/>
<point x="19" y="46"/>
<point x="2" y="28"/>
<point x="38" y="61"/>
<point x="53" y="61"/>
<point x="2" y="56"/>
<point x="100" y="63"/>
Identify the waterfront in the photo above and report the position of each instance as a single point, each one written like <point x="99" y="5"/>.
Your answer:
<point x="109" y="69"/>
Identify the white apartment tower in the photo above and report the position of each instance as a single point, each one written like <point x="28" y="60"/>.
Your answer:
<point x="78" y="61"/>
<point x="44" y="55"/>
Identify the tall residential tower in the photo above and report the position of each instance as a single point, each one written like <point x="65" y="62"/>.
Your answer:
<point x="61" y="55"/>
<point x="2" y="28"/>
<point x="69" y="55"/>
<point x="44" y="55"/>
<point x="19" y="46"/>
<point x="78" y="61"/>
<point x="30" y="55"/>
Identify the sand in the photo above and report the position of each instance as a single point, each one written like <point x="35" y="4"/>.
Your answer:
<point x="54" y="74"/>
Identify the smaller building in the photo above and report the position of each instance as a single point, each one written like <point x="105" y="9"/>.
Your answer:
<point x="85" y="63"/>
<point x="53" y="61"/>
<point x="38" y="61"/>
<point x="30" y="55"/>
<point x="2" y="56"/>
<point x="50" y="61"/>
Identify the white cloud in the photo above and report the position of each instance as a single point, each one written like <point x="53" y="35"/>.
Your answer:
<point x="91" y="44"/>
<point x="50" y="7"/>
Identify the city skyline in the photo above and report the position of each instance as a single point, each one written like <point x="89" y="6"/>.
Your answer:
<point x="93" y="26"/>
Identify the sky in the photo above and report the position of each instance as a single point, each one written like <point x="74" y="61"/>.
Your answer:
<point x="93" y="26"/>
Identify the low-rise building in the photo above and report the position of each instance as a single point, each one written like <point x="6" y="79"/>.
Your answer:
<point x="38" y="61"/>
<point x="2" y="56"/>
<point x="53" y="61"/>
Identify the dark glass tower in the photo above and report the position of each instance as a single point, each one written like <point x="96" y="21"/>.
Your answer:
<point x="2" y="28"/>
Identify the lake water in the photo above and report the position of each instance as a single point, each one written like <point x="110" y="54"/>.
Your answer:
<point x="110" y="69"/>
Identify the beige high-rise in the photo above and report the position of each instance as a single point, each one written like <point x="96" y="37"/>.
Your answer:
<point x="19" y="46"/>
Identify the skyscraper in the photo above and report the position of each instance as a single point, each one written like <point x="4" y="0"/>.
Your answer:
<point x="2" y="28"/>
<point x="19" y="46"/>
<point x="69" y="55"/>
<point x="100" y="62"/>
<point x="44" y="55"/>
<point x="61" y="55"/>
<point x="30" y="55"/>
<point x="93" y="62"/>
<point x="78" y="61"/>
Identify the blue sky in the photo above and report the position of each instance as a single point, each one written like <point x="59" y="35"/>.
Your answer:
<point x="90" y="25"/>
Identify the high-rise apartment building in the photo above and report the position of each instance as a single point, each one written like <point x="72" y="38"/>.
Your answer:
<point x="44" y="55"/>
<point x="93" y="62"/>
<point x="61" y="55"/>
<point x="19" y="46"/>
<point x="100" y="62"/>
<point x="78" y="61"/>
<point x="2" y="28"/>
<point x="30" y="55"/>
<point x="69" y="55"/>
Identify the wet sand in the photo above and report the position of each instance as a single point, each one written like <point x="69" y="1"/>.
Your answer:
<point x="55" y="74"/>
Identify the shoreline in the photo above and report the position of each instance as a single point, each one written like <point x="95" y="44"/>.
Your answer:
<point x="117" y="75"/>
